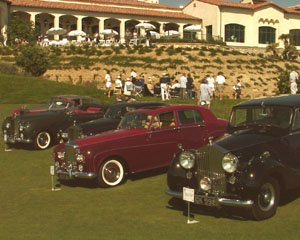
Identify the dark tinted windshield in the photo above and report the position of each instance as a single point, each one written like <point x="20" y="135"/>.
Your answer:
<point x="267" y="115"/>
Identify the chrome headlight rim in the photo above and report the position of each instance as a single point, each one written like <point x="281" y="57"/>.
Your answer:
<point x="187" y="159"/>
<point x="229" y="163"/>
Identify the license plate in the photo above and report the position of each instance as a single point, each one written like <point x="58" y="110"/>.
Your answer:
<point x="206" y="200"/>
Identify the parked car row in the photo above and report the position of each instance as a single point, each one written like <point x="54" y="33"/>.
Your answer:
<point x="249" y="167"/>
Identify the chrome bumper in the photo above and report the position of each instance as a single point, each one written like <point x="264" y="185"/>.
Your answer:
<point x="8" y="139"/>
<point x="221" y="201"/>
<point x="64" y="175"/>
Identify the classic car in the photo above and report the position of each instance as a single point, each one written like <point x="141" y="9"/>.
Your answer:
<point x="57" y="103"/>
<point x="41" y="128"/>
<point x="111" y="120"/>
<point x="255" y="161"/>
<point x="146" y="139"/>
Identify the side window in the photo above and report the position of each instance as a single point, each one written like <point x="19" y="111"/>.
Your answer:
<point x="164" y="120"/>
<point x="188" y="116"/>
<point x="296" y="124"/>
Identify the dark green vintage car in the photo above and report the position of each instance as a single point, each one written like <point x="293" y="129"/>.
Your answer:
<point x="40" y="126"/>
<point x="251" y="166"/>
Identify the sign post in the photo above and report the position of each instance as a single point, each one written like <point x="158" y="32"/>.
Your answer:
<point x="189" y="195"/>
<point x="52" y="173"/>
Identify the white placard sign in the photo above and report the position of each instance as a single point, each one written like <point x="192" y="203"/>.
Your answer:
<point x="52" y="171"/>
<point x="188" y="194"/>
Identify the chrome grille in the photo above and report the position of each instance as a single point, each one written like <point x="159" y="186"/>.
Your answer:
<point x="73" y="133"/>
<point x="70" y="153"/>
<point x="15" y="127"/>
<point x="209" y="164"/>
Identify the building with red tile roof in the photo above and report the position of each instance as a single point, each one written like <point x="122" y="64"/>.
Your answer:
<point x="251" y="23"/>
<point x="94" y="16"/>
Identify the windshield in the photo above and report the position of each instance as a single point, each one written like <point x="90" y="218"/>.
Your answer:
<point x="136" y="120"/>
<point x="59" y="103"/>
<point x="265" y="116"/>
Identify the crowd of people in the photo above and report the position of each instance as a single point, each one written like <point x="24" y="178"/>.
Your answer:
<point x="168" y="87"/>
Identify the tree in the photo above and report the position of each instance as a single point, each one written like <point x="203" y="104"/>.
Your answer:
<point x="283" y="84"/>
<point x="273" y="48"/>
<point x="33" y="59"/>
<point x="20" y="29"/>
<point x="289" y="52"/>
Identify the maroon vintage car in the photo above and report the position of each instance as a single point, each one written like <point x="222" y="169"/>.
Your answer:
<point x="146" y="139"/>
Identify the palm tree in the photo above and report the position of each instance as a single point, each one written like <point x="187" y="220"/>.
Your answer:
<point x="273" y="48"/>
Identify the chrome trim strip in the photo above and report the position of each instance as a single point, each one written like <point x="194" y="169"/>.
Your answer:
<point x="16" y="139"/>
<point x="77" y="174"/>
<point x="221" y="201"/>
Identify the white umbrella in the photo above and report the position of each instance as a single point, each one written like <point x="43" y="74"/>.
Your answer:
<point x="76" y="33"/>
<point x="145" y="26"/>
<point x="192" y="28"/>
<point x="56" y="31"/>
<point x="109" y="31"/>
<point x="171" y="33"/>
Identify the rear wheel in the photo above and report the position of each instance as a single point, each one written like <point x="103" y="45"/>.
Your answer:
<point x="42" y="140"/>
<point x="111" y="173"/>
<point x="267" y="200"/>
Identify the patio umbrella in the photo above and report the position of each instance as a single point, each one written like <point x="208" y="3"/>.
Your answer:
<point x="192" y="28"/>
<point x="56" y="31"/>
<point x="76" y="33"/>
<point x="145" y="26"/>
<point x="109" y="31"/>
<point x="171" y="33"/>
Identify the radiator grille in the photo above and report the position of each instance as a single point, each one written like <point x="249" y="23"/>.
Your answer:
<point x="73" y="133"/>
<point x="209" y="164"/>
<point x="70" y="153"/>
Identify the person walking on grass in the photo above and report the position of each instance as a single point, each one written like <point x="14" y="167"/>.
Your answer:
<point x="183" y="82"/>
<point x="205" y="94"/>
<point x="294" y="77"/>
<point x="220" y="79"/>
<point x="108" y="83"/>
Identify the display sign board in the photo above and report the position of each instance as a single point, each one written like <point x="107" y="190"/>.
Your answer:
<point x="52" y="171"/>
<point x="188" y="194"/>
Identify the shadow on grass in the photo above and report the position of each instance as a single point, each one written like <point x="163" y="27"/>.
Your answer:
<point x="289" y="196"/>
<point x="223" y="212"/>
<point x="91" y="183"/>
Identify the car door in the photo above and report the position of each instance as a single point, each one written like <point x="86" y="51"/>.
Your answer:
<point x="192" y="129"/>
<point x="292" y="144"/>
<point x="161" y="141"/>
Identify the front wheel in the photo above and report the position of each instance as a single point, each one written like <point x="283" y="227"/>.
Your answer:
<point x="111" y="173"/>
<point x="42" y="140"/>
<point x="267" y="200"/>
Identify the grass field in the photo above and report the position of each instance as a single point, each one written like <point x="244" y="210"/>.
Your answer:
<point x="139" y="209"/>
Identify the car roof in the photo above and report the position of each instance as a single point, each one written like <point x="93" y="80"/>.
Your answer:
<point x="133" y="104"/>
<point x="282" y="100"/>
<point x="157" y="109"/>
<point x="74" y="97"/>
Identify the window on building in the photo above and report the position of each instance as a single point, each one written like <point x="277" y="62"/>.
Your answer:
<point x="234" y="33"/>
<point x="208" y="32"/>
<point x="295" y="37"/>
<point x="267" y="35"/>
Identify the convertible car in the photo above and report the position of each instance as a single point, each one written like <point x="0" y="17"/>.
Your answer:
<point x="40" y="127"/>
<point x="57" y="103"/>
<point x="146" y="139"/>
<point x="255" y="163"/>
<point x="111" y="120"/>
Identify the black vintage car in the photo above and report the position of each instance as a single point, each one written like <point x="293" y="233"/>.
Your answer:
<point x="40" y="127"/>
<point x="252" y="165"/>
<point x="110" y="121"/>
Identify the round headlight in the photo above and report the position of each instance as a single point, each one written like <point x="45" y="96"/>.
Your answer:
<point x="8" y="125"/>
<point x="61" y="155"/>
<point x="230" y="163"/>
<point x="205" y="184"/>
<point x="187" y="159"/>
<point x="80" y="158"/>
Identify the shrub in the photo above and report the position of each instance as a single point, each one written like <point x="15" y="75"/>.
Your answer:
<point x="33" y="59"/>
<point x="283" y="83"/>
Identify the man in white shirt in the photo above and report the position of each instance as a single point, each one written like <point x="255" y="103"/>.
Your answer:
<point x="220" y="79"/>
<point x="108" y="83"/>
<point x="133" y="76"/>
<point x="182" y="81"/>
<point x="294" y="77"/>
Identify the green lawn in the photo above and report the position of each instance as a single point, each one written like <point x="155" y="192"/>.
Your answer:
<point x="139" y="209"/>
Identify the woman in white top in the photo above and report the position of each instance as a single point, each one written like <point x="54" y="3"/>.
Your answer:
<point x="211" y="83"/>
<point x="108" y="83"/>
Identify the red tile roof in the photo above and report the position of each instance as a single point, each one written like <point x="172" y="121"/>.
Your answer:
<point x="247" y="5"/>
<point x="132" y="7"/>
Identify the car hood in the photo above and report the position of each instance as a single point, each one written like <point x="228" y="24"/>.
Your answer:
<point x="109" y="136"/>
<point x="93" y="126"/>
<point x="234" y="142"/>
<point x="41" y="115"/>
